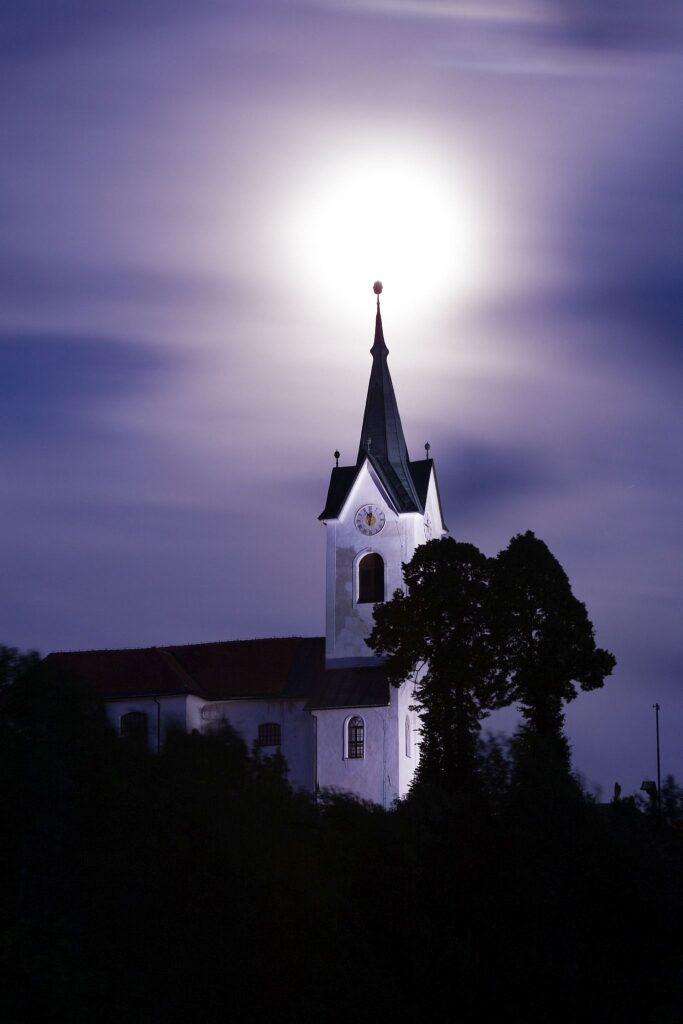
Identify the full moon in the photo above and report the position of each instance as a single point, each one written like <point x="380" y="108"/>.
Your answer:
<point x="400" y="217"/>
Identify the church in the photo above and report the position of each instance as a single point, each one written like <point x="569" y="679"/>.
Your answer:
<point x="324" y="702"/>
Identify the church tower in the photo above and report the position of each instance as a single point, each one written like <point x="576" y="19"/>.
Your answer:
<point x="377" y="512"/>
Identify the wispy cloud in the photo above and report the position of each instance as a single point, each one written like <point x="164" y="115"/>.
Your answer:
<point x="612" y="23"/>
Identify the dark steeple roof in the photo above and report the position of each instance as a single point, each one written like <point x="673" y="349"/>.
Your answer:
<point x="382" y="443"/>
<point x="381" y="437"/>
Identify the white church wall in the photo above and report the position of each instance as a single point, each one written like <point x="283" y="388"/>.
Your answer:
<point x="168" y="713"/>
<point x="348" y="622"/>
<point x="408" y="740"/>
<point x="373" y="777"/>
<point x="433" y="510"/>
<point x="193" y="713"/>
<point x="296" y="731"/>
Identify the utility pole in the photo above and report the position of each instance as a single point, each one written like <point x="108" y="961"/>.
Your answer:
<point x="659" y="774"/>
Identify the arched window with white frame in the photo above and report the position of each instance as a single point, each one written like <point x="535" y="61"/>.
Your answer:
<point x="354" y="740"/>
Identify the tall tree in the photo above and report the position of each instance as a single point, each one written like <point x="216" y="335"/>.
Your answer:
<point x="438" y="631"/>
<point x="545" y="637"/>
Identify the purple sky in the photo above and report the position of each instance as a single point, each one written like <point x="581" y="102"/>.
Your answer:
<point x="179" y="356"/>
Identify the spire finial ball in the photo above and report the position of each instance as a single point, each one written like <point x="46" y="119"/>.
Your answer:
<point x="377" y="287"/>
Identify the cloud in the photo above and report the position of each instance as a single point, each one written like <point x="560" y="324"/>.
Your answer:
<point x="53" y="386"/>
<point x="29" y="281"/>
<point x="635" y="322"/>
<point x="610" y="24"/>
<point x="479" y="476"/>
<point x="617" y="24"/>
<point x="34" y="27"/>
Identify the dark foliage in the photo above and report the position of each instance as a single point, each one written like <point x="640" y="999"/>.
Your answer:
<point x="671" y="810"/>
<point x="477" y="634"/>
<point x="15" y="663"/>
<point x="195" y="885"/>
<point x="545" y="637"/>
<point x="439" y="631"/>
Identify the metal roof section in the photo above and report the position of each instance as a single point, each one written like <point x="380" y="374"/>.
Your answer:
<point x="341" y="482"/>
<point x="421" y="472"/>
<point x="364" y="687"/>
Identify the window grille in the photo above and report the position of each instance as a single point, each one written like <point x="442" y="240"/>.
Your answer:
<point x="371" y="579"/>
<point x="269" y="734"/>
<point x="356" y="737"/>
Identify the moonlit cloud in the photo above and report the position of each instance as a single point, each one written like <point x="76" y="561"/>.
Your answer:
<point x="614" y="23"/>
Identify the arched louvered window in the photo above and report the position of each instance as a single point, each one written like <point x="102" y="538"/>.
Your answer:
<point x="134" y="726"/>
<point x="269" y="734"/>
<point x="409" y="738"/>
<point x="371" y="579"/>
<point x="355" y="740"/>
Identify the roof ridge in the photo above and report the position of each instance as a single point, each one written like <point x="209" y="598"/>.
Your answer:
<point x="170" y="647"/>
<point x="246" y="640"/>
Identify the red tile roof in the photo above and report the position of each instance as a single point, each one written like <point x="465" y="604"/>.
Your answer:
<point x="275" y="667"/>
<point x="246" y="668"/>
<point x="120" y="673"/>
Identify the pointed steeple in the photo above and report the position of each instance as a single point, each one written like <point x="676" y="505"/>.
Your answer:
<point x="382" y="443"/>
<point x="379" y="345"/>
<point x="381" y="439"/>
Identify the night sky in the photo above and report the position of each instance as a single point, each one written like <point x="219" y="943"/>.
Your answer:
<point x="195" y="200"/>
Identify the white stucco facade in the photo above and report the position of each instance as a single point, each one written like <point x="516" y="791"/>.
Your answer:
<point x="348" y="623"/>
<point x="384" y="773"/>
<point x="391" y="748"/>
<point x="297" y="731"/>
<point x="164" y="714"/>
<point x="189" y="712"/>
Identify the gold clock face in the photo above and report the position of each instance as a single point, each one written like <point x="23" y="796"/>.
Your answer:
<point x="369" y="519"/>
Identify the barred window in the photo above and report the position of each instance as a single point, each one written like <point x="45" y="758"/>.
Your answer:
<point x="134" y="725"/>
<point x="371" y="579"/>
<point x="269" y="734"/>
<point x="356" y="737"/>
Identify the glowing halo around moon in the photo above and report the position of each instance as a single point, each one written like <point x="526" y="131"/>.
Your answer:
<point x="400" y="218"/>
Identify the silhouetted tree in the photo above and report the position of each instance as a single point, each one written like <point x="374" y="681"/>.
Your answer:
<point x="439" y="631"/>
<point x="671" y="799"/>
<point x="495" y="765"/>
<point x="15" y="663"/>
<point x="672" y="802"/>
<point x="546" y="642"/>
